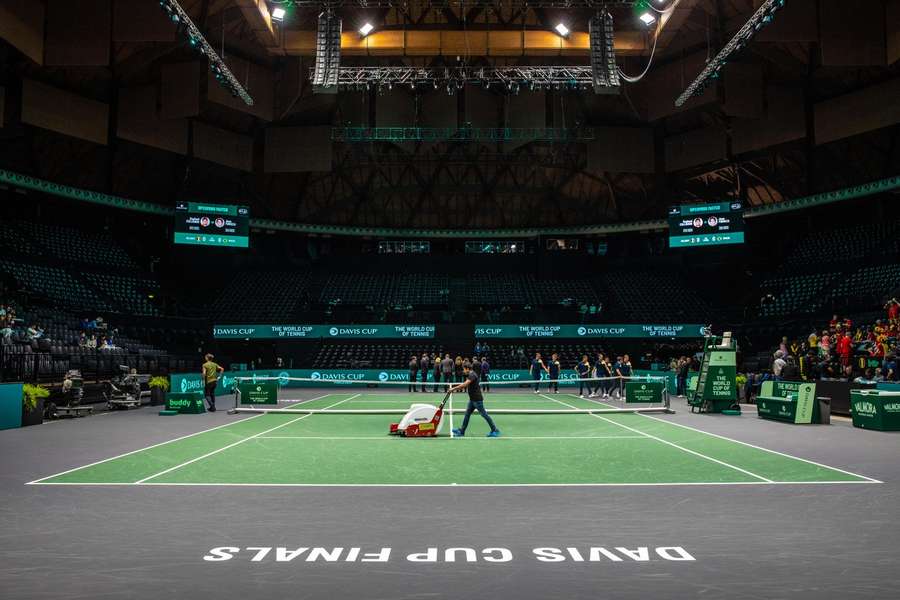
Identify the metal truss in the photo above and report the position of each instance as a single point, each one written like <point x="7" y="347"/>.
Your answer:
<point x="332" y="4"/>
<point x="762" y="17"/>
<point x="510" y="79"/>
<point x="467" y="134"/>
<point x="198" y="42"/>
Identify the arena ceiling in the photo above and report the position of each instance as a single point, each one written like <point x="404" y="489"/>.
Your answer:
<point x="107" y="96"/>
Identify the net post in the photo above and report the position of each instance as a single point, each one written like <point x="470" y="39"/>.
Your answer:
<point x="233" y="411"/>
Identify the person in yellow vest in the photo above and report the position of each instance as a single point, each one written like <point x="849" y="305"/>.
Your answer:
<point x="210" y="372"/>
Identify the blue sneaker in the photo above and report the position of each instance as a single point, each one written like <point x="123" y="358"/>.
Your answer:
<point x="459" y="433"/>
<point x="495" y="433"/>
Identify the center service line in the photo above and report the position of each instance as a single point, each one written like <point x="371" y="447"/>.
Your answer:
<point x="673" y="444"/>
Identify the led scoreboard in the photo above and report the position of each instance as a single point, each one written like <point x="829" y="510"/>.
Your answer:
<point x="204" y="224"/>
<point x="706" y="224"/>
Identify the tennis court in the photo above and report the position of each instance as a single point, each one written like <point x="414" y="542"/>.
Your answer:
<point x="565" y="448"/>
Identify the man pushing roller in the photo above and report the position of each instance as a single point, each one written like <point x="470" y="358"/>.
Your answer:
<point x="472" y="385"/>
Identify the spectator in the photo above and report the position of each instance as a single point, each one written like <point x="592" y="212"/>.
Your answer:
<point x="844" y="348"/>
<point x="413" y="371"/>
<point x="458" y="370"/>
<point x="485" y="350"/>
<point x="477" y="348"/>
<point x="890" y="368"/>
<point x="867" y="377"/>
<point x="485" y="373"/>
<point x="778" y="365"/>
<point x="893" y="309"/>
<point x="447" y="368"/>
<point x="790" y="371"/>
<point x="436" y="367"/>
<point x="813" y="341"/>
<point x="825" y="344"/>
<point x="424" y="368"/>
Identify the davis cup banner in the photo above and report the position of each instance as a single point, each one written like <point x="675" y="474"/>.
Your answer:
<point x="270" y="332"/>
<point x="589" y="331"/>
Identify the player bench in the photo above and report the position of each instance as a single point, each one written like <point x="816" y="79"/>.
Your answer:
<point x="792" y="402"/>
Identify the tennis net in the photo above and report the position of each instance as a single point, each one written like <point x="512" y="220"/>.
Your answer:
<point x="294" y="395"/>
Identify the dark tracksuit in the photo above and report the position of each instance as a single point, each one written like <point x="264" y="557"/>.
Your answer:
<point x="424" y="367"/>
<point x="413" y="371"/>
<point x="554" y="375"/>
<point x="476" y="402"/>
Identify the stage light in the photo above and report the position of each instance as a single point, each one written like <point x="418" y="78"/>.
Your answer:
<point x="647" y="18"/>
<point x="278" y="13"/>
<point x="366" y="29"/>
<point x="562" y="30"/>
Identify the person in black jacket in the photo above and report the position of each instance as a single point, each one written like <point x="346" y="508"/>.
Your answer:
<point x="424" y="367"/>
<point x="413" y="371"/>
<point x="436" y="365"/>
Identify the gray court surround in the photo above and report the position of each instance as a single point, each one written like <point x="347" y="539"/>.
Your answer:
<point x="784" y="541"/>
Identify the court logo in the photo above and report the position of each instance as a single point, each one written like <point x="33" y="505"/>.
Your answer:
<point x="283" y="378"/>
<point x="333" y="331"/>
<point x="582" y="331"/>
<point x="184" y="386"/>
<point x="315" y="375"/>
<point x="259" y="388"/>
<point x="383" y="376"/>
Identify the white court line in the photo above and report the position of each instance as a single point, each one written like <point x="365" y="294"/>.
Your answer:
<point x="749" y="445"/>
<point x="454" y="485"/>
<point x="508" y="437"/>
<point x="673" y="444"/>
<point x="232" y="445"/>
<point x="99" y="462"/>
<point x="812" y="462"/>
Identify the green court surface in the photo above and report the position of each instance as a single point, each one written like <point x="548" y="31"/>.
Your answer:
<point x="535" y="449"/>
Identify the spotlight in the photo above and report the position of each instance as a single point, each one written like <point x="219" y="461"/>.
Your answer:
<point x="278" y="13"/>
<point x="366" y="29"/>
<point x="647" y="18"/>
<point x="562" y="30"/>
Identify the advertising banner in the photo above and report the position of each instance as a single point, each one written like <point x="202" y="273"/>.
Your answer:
<point x="271" y="332"/>
<point x="634" y="331"/>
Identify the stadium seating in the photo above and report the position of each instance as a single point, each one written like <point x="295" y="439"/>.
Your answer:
<point x="869" y="283"/>
<point x="495" y="289"/>
<point x="415" y="289"/>
<point x="798" y="294"/>
<point x="374" y="356"/>
<point x="656" y="296"/>
<point x="847" y="244"/>
<point x="261" y="297"/>
<point x="541" y="291"/>
<point x="70" y="244"/>
<point x="53" y="284"/>
<point x="128" y="294"/>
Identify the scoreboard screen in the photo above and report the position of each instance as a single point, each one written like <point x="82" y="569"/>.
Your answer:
<point x="706" y="225"/>
<point x="204" y="224"/>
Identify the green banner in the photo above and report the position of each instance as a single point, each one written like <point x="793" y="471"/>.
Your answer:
<point x="589" y="331"/>
<point x="878" y="410"/>
<point x="185" y="383"/>
<point x="10" y="405"/>
<point x="720" y="378"/>
<point x="198" y="239"/>
<point x="261" y="392"/>
<point x="806" y="402"/>
<point x="644" y="392"/>
<point x="265" y="332"/>
<point x="185" y="403"/>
